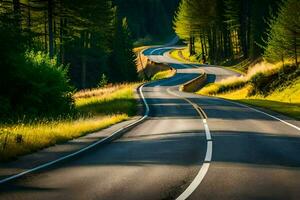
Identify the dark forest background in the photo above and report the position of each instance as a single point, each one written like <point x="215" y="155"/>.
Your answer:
<point x="51" y="48"/>
<point x="149" y="19"/>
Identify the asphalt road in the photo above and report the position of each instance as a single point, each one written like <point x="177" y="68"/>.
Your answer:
<point x="254" y="156"/>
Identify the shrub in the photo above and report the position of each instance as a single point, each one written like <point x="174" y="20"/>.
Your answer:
<point x="39" y="86"/>
<point x="30" y="82"/>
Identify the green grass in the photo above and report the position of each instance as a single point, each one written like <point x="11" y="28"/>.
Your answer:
<point x="285" y="99"/>
<point x="97" y="109"/>
<point x="183" y="55"/>
<point x="288" y="109"/>
<point x="163" y="75"/>
<point x="174" y="54"/>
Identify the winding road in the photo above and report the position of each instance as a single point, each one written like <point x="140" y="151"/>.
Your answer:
<point x="189" y="146"/>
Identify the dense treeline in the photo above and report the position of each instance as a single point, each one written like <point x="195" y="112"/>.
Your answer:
<point x="148" y="19"/>
<point x="233" y="29"/>
<point x="43" y="42"/>
<point x="77" y="32"/>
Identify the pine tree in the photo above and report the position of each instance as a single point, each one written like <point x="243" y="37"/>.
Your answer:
<point x="284" y="36"/>
<point x="183" y="23"/>
<point x="122" y="59"/>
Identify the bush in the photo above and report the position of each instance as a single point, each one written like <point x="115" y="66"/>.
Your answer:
<point x="30" y="83"/>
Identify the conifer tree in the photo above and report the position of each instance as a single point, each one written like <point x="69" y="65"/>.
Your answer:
<point x="122" y="59"/>
<point x="284" y="36"/>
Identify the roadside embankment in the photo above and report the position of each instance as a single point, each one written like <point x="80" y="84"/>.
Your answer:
<point x="195" y="84"/>
<point x="274" y="87"/>
<point x="149" y="70"/>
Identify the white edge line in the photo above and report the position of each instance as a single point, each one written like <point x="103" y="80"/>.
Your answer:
<point x="193" y="186"/>
<point x="204" y="168"/>
<point x="259" y="111"/>
<point x="208" y="156"/>
<point x="85" y="148"/>
<point x="154" y="50"/>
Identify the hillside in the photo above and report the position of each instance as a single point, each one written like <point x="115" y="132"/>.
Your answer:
<point x="274" y="87"/>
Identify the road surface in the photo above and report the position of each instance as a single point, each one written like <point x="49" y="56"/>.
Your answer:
<point x="236" y="153"/>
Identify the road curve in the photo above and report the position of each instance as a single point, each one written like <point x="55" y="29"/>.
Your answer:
<point x="254" y="156"/>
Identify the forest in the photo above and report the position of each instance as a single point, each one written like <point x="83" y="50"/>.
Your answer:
<point x="149" y="20"/>
<point x="50" y="48"/>
<point x="222" y="31"/>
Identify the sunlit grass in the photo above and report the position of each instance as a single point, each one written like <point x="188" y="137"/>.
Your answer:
<point x="177" y="56"/>
<point x="286" y="101"/>
<point x="163" y="75"/>
<point x="97" y="109"/>
<point x="282" y="100"/>
<point x="235" y="82"/>
<point x="224" y="85"/>
<point x="40" y="135"/>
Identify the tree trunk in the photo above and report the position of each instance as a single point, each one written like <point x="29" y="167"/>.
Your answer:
<point x="205" y="45"/>
<point x="295" y="49"/>
<point x="45" y="32"/>
<point x="83" y="61"/>
<point x="17" y="12"/>
<point x="210" y="46"/>
<point x="83" y="71"/>
<point x="61" y="40"/>
<point x="202" y="45"/>
<point x="194" y="48"/>
<point x="28" y="15"/>
<point x="50" y="28"/>
<point x="191" y="46"/>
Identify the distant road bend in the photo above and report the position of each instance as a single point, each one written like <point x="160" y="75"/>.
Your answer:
<point x="236" y="153"/>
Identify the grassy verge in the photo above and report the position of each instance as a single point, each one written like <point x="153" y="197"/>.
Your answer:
<point x="176" y="55"/>
<point x="96" y="109"/>
<point x="274" y="87"/>
<point x="286" y="101"/>
<point x="183" y="55"/>
<point x="288" y="109"/>
<point x="163" y="75"/>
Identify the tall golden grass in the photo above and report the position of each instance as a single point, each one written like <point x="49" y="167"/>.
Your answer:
<point x="163" y="74"/>
<point x="97" y="108"/>
<point x="235" y="82"/>
<point x="284" y="99"/>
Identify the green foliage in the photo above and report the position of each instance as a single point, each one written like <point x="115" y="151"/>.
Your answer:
<point x="97" y="109"/>
<point x="226" y="29"/>
<point x="122" y="59"/>
<point x="284" y="35"/>
<point x="30" y="83"/>
<point x="48" y="85"/>
<point x="103" y="82"/>
<point x="39" y="87"/>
